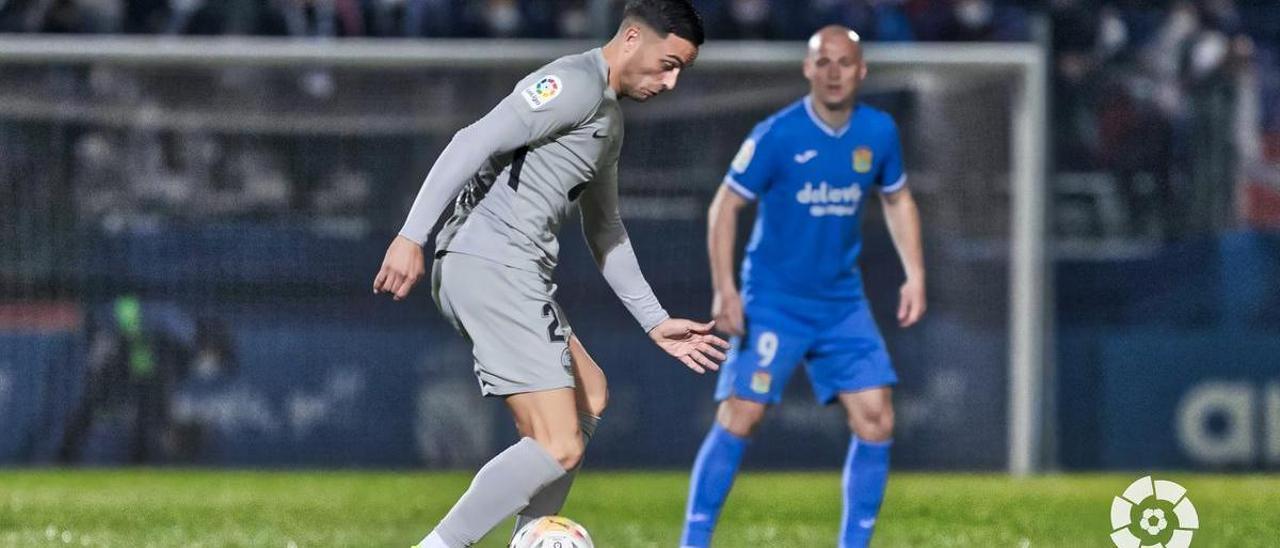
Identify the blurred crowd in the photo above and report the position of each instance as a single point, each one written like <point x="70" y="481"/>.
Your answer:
<point x="1171" y="98"/>
<point x="1173" y="101"/>
<point x="726" y="19"/>
<point x="132" y="180"/>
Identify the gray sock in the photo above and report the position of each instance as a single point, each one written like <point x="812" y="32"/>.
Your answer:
<point x="550" y="499"/>
<point x="502" y="487"/>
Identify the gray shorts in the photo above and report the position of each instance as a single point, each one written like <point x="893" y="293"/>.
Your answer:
<point x="519" y="336"/>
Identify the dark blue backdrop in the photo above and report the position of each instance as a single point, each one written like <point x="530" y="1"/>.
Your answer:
<point x="1172" y="361"/>
<point x="330" y="375"/>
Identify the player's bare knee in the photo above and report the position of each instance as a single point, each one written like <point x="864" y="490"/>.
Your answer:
<point x="872" y="424"/>
<point x="563" y="445"/>
<point x="568" y="452"/>
<point x="569" y="459"/>
<point x="740" y="417"/>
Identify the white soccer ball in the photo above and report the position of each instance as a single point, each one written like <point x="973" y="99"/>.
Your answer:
<point x="552" y="532"/>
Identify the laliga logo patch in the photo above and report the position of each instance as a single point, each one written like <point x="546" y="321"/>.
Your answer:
<point x="542" y="92"/>
<point x="743" y="159"/>
<point x="760" y="382"/>
<point x="1153" y="514"/>
<point x="862" y="159"/>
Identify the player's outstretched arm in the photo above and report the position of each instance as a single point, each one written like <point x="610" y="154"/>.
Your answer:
<point x="611" y="247"/>
<point x="690" y="342"/>
<point x="903" y="219"/>
<point x="722" y="232"/>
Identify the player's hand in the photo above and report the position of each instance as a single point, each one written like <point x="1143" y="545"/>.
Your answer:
<point x="690" y="342"/>
<point x="911" y="302"/>
<point x="726" y="309"/>
<point x="401" y="268"/>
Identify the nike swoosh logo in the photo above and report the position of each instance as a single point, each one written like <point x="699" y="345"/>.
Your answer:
<point x="866" y="523"/>
<point x="699" y="517"/>
<point x="599" y="135"/>
<point x="805" y="156"/>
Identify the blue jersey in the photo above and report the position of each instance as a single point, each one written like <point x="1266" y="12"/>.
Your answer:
<point x="810" y="181"/>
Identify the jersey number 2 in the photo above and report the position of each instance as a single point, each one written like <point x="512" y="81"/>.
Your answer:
<point x="553" y="330"/>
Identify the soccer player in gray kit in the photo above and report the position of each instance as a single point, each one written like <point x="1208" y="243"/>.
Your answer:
<point x="515" y="174"/>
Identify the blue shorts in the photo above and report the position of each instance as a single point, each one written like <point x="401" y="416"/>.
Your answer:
<point x="842" y="351"/>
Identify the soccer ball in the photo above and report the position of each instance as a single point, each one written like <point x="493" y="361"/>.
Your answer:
<point x="552" y="532"/>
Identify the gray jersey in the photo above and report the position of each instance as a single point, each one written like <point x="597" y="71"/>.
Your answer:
<point x="512" y="209"/>
<point x="517" y="171"/>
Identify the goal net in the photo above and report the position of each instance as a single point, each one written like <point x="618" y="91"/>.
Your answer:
<point x="227" y="202"/>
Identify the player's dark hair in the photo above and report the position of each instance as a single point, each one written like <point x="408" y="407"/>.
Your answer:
<point x="676" y="17"/>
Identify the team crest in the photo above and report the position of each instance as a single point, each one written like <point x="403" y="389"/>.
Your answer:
<point x="760" y="382"/>
<point x="566" y="360"/>
<point x="743" y="159"/>
<point x="862" y="159"/>
<point x="542" y="92"/>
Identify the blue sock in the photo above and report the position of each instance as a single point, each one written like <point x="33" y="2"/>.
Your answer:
<point x="866" y="470"/>
<point x="709" y="485"/>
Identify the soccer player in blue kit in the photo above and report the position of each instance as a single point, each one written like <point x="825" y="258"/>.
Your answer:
<point x="808" y="167"/>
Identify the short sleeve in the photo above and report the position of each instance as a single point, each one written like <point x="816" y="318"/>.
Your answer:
<point x="753" y="166"/>
<point x="556" y="98"/>
<point x="892" y="175"/>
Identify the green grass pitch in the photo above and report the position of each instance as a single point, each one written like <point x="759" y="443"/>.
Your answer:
<point x="191" y="508"/>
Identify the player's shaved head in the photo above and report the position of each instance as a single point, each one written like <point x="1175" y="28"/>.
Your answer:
<point x="834" y="66"/>
<point x="837" y="37"/>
